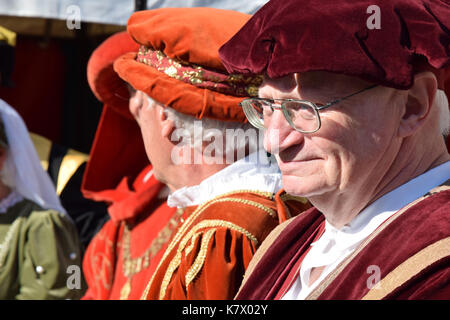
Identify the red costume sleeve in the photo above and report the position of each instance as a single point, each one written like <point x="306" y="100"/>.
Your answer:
<point x="212" y="266"/>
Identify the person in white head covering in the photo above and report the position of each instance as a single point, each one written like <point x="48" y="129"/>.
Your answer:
<point x="39" y="245"/>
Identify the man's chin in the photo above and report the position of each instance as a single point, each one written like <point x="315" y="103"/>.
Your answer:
<point x="301" y="187"/>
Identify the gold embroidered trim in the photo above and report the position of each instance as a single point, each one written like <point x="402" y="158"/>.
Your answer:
<point x="191" y="246"/>
<point x="175" y="263"/>
<point x="99" y="260"/>
<point x="4" y="247"/>
<point x="216" y="223"/>
<point x="409" y="268"/>
<point x="328" y="279"/>
<point x="287" y="196"/>
<point x="200" y="259"/>
<point x="258" y="205"/>
<point x="188" y="223"/>
<point x="266" y="194"/>
<point x="132" y="266"/>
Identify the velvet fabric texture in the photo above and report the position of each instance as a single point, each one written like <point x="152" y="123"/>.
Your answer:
<point x="104" y="82"/>
<point x="289" y="36"/>
<point x="191" y="36"/>
<point x="118" y="149"/>
<point x="407" y="235"/>
<point x="208" y="256"/>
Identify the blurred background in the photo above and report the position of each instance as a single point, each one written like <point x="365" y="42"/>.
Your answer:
<point x="44" y="49"/>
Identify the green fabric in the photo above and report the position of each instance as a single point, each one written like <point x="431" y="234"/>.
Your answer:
<point x="38" y="239"/>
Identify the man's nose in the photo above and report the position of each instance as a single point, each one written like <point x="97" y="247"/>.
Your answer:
<point x="279" y="135"/>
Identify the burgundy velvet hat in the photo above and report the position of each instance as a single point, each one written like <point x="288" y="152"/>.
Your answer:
<point x="289" y="36"/>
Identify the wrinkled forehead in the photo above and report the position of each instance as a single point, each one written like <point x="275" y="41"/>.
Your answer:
<point x="311" y="84"/>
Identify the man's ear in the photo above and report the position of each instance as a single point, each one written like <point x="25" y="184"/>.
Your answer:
<point x="419" y="102"/>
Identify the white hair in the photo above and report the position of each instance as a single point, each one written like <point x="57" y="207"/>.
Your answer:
<point x="441" y="102"/>
<point x="240" y="138"/>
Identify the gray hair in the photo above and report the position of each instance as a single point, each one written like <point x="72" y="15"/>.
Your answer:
<point x="441" y="102"/>
<point x="231" y="139"/>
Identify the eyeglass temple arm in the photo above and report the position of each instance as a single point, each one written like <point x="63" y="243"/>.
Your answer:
<point x="329" y="104"/>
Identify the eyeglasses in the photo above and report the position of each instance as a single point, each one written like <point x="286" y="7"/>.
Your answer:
<point x="302" y="115"/>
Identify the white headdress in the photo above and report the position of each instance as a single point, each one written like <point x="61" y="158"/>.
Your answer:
<point x="22" y="170"/>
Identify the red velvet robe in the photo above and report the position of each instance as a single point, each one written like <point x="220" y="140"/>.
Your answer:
<point x="139" y="220"/>
<point x="411" y="250"/>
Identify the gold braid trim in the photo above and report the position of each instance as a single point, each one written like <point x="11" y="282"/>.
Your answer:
<point x="191" y="246"/>
<point x="201" y="257"/>
<point x="175" y="263"/>
<point x="193" y="217"/>
<point x="266" y="194"/>
<point x="258" y="205"/>
<point x="409" y="268"/>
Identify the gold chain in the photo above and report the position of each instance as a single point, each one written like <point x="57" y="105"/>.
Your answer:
<point x="132" y="266"/>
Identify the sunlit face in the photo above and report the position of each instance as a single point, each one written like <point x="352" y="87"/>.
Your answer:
<point x="147" y="114"/>
<point x="356" y="142"/>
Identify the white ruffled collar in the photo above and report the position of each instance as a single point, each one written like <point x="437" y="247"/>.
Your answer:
<point x="255" y="172"/>
<point x="10" y="200"/>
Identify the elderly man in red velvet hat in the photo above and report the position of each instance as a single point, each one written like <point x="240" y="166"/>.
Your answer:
<point x="225" y="193"/>
<point x="355" y="109"/>
<point x="120" y="259"/>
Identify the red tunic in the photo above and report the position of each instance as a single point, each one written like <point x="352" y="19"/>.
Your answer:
<point x="122" y="257"/>
<point x="411" y="250"/>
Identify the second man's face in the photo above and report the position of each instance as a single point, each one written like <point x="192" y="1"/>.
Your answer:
<point x="149" y="116"/>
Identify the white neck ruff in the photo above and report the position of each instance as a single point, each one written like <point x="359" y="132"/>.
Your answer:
<point x="244" y="174"/>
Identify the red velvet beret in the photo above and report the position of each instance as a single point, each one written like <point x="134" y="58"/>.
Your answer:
<point x="289" y="36"/>
<point x="184" y="43"/>
<point x="118" y="150"/>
